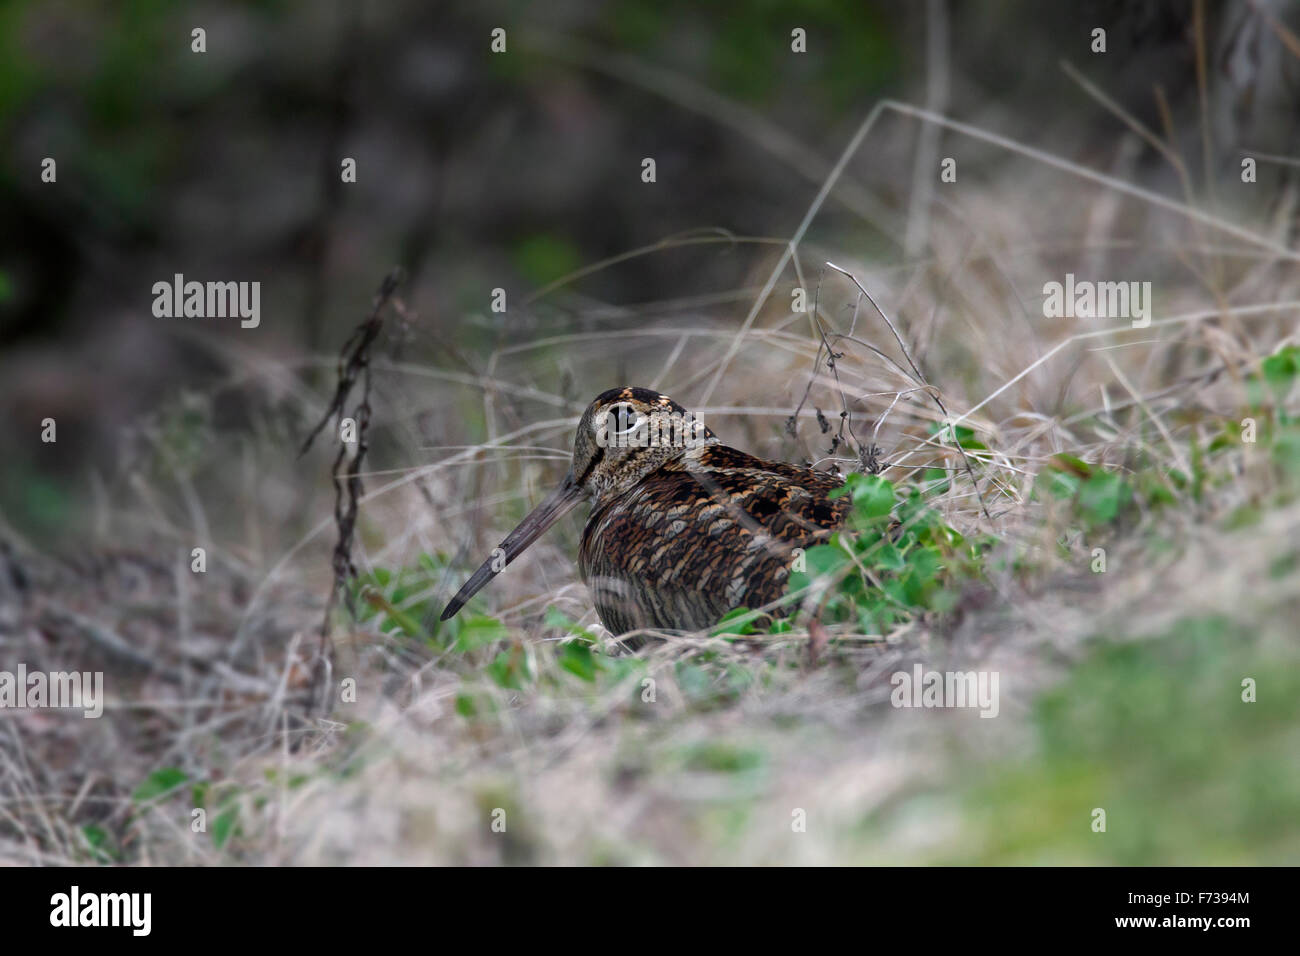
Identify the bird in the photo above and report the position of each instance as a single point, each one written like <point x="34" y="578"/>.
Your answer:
<point x="682" y="529"/>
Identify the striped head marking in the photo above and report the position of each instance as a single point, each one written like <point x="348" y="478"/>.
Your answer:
<point x="625" y="434"/>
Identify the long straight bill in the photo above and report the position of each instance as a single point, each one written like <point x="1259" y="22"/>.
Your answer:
<point x="560" y="502"/>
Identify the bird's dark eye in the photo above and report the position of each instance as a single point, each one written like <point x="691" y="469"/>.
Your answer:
<point x="631" y="422"/>
<point x="620" y="425"/>
<point x="623" y="418"/>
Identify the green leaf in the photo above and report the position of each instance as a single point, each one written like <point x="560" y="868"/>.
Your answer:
<point x="873" y="497"/>
<point x="95" y="836"/>
<point x="694" y="680"/>
<point x="1281" y="368"/>
<point x="557" y="619"/>
<point x="1059" y="484"/>
<point x="723" y="758"/>
<point x="223" y="826"/>
<point x="744" y="627"/>
<point x="1286" y="451"/>
<point x="818" y="560"/>
<point x="936" y="479"/>
<point x="577" y="659"/>
<point x="1102" y="497"/>
<point x="965" y="436"/>
<point x="395" y="619"/>
<point x="1154" y="491"/>
<point x="158" y="783"/>
<point x="887" y="557"/>
<point x="478" y="631"/>
<point x="1071" y="464"/>
<point x="917" y="517"/>
<point x="510" y="669"/>
<point x="920" y="577"/>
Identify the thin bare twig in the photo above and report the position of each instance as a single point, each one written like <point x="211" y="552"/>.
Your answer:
<point x="354" y="364"/>
<point x="920" y="380"/>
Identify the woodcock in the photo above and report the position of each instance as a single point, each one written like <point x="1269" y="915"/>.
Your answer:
<point x="682" y="528"/>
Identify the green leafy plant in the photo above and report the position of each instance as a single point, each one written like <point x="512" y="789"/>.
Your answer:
<point x="1280" y="370"/>
<point x="100" y="844"/>
<point x="406" y="602"/>
<point x="896" y="559"/>
<point x="159" y="784"/>
<point x="1099" y="496"/>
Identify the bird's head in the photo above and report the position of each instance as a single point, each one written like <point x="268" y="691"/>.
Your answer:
<point x="625" y="434"/>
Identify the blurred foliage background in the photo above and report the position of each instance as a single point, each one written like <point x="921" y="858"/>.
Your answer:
<point x="478" y="171"/>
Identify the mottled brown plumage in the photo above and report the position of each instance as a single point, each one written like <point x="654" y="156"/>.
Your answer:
<point x="682" y="531"/>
